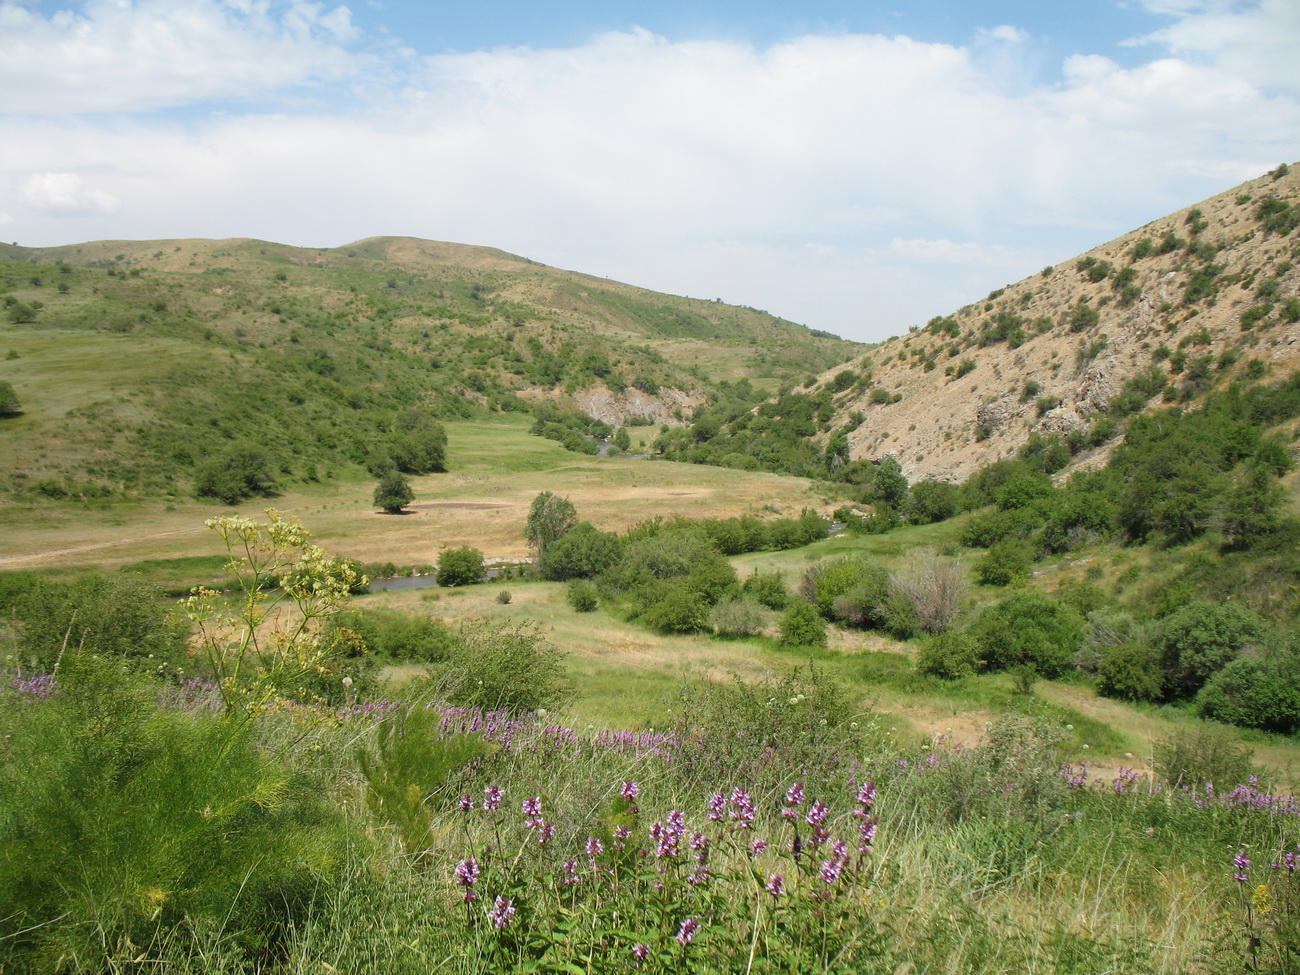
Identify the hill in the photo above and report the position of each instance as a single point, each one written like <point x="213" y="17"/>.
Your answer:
<point x="1199" y="298"/>
<point x="132" y="361"/>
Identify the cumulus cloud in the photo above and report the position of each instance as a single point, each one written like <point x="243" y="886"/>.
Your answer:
<point x="134" y="55"/>
<point x="65" y="193"/>
<point x="859" y="183"/>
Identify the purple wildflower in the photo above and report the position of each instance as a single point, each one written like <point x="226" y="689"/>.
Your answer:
<point x="686" y="933"/>
<point x="502" y="913"/>
<point x="717" y="805"/>
<point x="491" y="798"/>
<point x="699" y="875"/>
<point x="866" y="834"/>
<point x="629" y="792"/>
<point x="757" y="847"/>
<point x="867" y="795"/>
<point x="533" y="807"/>
<point x="641" y="953"/>
<point x="571" y="872"/>
<point x="794" y="795"/>
<point x="699" y="843"/>
<point x="466" y="803"/>
<point x="1242" y="863"/>
<point x="467" y="874"/>
<point x="817" y="813"/>
<point x="594" y="847"/>
<point x="775" y="885"/>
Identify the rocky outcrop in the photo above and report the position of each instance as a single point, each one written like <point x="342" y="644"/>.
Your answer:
<point x="671" y="406"/>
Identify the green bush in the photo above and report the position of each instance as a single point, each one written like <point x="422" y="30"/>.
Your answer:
<point x="1028" y="628"/>
<point x="111" y="615"/>
<point x="1004" y="563"/>
<point x="768" y="589"/>
<point x="1202" y="638"/>
<point x="1255" y="693"/>
<point x="582" y="596"/>
<point x="583" y="552"/>
<point x="802" y="626"/>
<point x="128" y="828"/>
<point x="394" y="635"/>
<point x="241" y="473"/>
<point x="500" y="665"/>
<point x="460" y="567"/>
<point x="677" y="610"/>
<point x="1131" y="672"/>
<point x="823" y="582"/>
<point x="949" y="656"/>
<point x="393" y="492"/>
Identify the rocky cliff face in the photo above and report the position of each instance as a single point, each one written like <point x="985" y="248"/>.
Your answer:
<point x="1204" y="295"/>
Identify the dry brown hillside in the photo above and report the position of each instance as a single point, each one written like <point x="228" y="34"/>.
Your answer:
<point x="1202" y="295"/>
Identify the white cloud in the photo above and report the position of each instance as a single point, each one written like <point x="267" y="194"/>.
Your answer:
<point x="857" y="183"/>
<point x="134" y="55"/>
<point x="64" y="193"/>
<point x="1005" y="33"/>
<point x="1258" y="42"/>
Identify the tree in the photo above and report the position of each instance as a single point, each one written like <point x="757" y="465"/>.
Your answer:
<point x="622" y="440"/>
<point x="393" y="493"/>
<point x="460" y="567"/>
<point x="9" y="404"/>
<point x="549" y="519"/>
<point x="583" y="552"/>
<point x="418" y="443"/>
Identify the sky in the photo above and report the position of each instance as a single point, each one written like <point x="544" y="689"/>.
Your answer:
<point x="858" y="167"/>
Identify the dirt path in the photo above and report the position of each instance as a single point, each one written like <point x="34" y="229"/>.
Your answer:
<point x="54" y="554"/>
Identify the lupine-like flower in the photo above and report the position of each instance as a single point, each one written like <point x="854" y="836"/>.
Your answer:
<point x="817" y="814"/>
<point x="699" y="875"/>
<point x="677" y="820"/>
<point x="545" y="831"/>
<point x="686" y="933"/>
<point x="742" y="808"/>
<point x="831" y="870"/>
<point x="775" y="885"/>
<point x="717" y="806"/>
<point x="665" y="838"/>
<point x="641" y="953"/>
<point x="629" y="792"/>
<point x="571" y="872"/>
<point x="467" y="873"/>
<point x="794" y="795"/>
<point x="621" y="835"/>
<point x="594" y="846"/>
<point x="866" y="834"/>
<point x="1242" y="863"/>
<point x="466" y="803"/>
<point x="867" y="796"/>
<point x="502" y="913"/>
<point x="757" y="847"/>
<point x="699" y="843"/>
<point x="491" y="798"/>
<point x="533" y="807"/>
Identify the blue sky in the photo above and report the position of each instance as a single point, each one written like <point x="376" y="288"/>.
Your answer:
<point x="858" y="167"/>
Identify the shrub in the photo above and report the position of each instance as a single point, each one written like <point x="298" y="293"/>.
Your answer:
<point x="583" y="552"/>
<point x="823" y="582"/>
<point x="582" y="596"/>
<point x="677" y="610"/>
<point x="501" y="665"/>
<point x="1028" y="628"/>
<point x="1202" y="638"/>
<point x="1255" y="693"/>
<point x="949" y="656"/>
<point x="113" y="616"/>
<point x="460" y="566"/>
<point x="393" y="493"/>
<point x="933" y="501"/>
<point x="768" y="589"/>
<point x="1130" y="672"/>
<point x="1200" y="754"/>
<point x="737" y="618"/>
<point x="504" y="597"/>
<point x="241" y="473"/>
<point x="934" y="588"/>
<point x="803" y="626"/>
<point x="394" y="635"/>
<point x="1005" y="562"/>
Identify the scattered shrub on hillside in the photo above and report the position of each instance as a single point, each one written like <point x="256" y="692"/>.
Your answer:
<point x="677" y="610"/>
<point x="1131" y="672"/>
<point x="499" y="665"/>
<point x="1004" y="563"/>
<point x="1255" y="693"/>
<point x="934" y="587"/>
<point x="933" y="501"/>
<point x="737" y="618"/>
<point x="949" y="656"/>
<point x="460" y="566"/>
<point x="241" y="473"/>
<point x="1202" y="638"/>
<point x="1028" y="628"/>
<point x="582" y="596"/>
<point x="582" y="552"/>
<point x="803" y="626"/>
<point x="394" y="635"/>
<point x="768" y="588"/>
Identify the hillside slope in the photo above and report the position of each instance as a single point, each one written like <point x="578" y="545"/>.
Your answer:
<point x="133" y="360"/>
<point x="1188" y="301"/>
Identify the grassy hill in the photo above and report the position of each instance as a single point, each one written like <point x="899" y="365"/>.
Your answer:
<point x="134" y="361"/>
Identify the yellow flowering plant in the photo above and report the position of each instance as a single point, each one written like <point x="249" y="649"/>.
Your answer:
<point x="266" y="637"/>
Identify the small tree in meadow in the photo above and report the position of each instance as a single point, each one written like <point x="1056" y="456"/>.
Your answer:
<point x="393" y="493"/>
<point x="803" y="626"/>
<point x="9" y="404"/>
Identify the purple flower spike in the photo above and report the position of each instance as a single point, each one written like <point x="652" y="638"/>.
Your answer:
<point x="775" y="885"/>
<point x="629" y="792"/>
<point x="594" y="847"/>
<point x="757" y="847"/>
<point x="533" y="807"/>
<point x="794" y="795"/>
<point x="641" y="953"/>
<point x="867" y="795"/>
<point x="502" y="913"/>
<point x="466" y="803"/>
<point x="717" y="805"/>
<point x="1242" y="863"/>
<point x="491" y="798"/>
<point x="817" y="813"/>
<point x="686" y="933"/>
